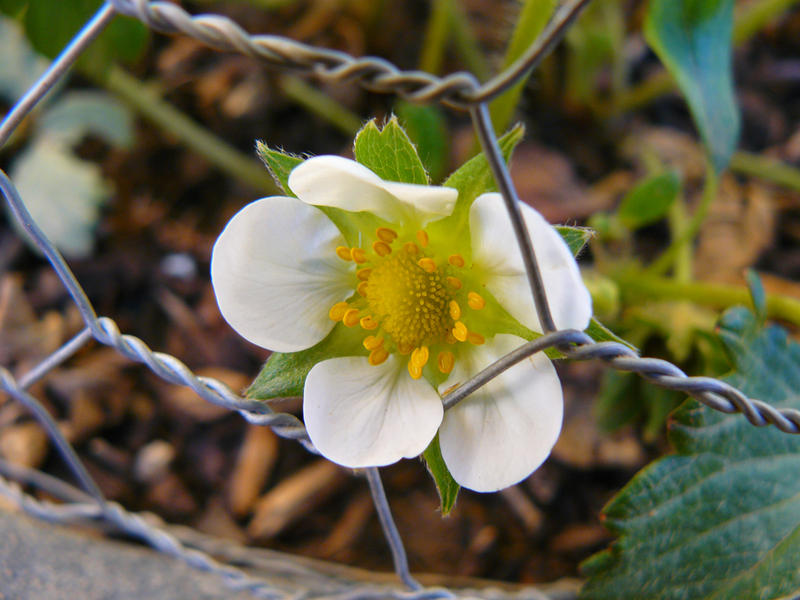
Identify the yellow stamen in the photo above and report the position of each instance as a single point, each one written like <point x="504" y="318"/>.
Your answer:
<point x="427" y="264"/>
<point x="362" y="288"/>
<point x="363" y="274"/>
<point x="476" y="339"/>
<point x="459" y="331"/>
<point x="368" y="323"/>
<point x="336" y="313"/>
<point x="419" y="357"/>
<point x="387" y="235"/>
<point x="371" y="342"/>
<point x="456" y="260"/>
<point x="377" y="356"/>
<point x="381" y="248"/>
<point x="351" y="318"/>
<point x="445" y="361"/>
<point x="404" y="348"/>
<point x="450" y="338"/>
<point x="454" y="282"/>
<point x="455" y="310"/>
<point x="411" y="248"/>
<point x="475" y="301"/>
<point x="422" y="237"/>
<point x="343" y="252"/>
<point x="414" y="370"/>
<point x="358" y="255"/>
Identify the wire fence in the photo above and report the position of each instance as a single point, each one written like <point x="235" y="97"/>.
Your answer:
<point x="460" y="91"/>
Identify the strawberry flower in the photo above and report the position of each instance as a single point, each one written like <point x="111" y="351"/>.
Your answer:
<point x="433" y="298"/>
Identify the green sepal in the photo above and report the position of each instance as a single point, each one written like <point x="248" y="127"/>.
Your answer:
<point x="600" y="333"/>
<point x="649" y="200"/>
<point x="575" y="237"/>
<point x="446" y="486"/>
<point x="389" y="153"/>
<point x="351" y="224"/>
<point x="284" y="374"/>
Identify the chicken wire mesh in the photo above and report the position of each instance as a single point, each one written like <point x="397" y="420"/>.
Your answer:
<point x="459" y="91"/>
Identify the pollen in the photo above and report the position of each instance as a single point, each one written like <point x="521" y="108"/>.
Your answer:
<point x="359" y="255"/>
<point x="420" y="356"/>
<point x="336" y="313"/>
<point x="350" y="318"/>
<point x="381" y="248"/>
<point x="445" y="361"/>
<point x="363" y="274"/>
<point x="371" y="342"/>
<point x="386" y="235"/>
<point x="460" y="331"/>
<point x="361" y="288"/>
<point x="378" y="356"/>
<point x="427" y="264"/>
<point x="456" y="260"/>
<point x="476" y="339"/>
<point x="369" y="323"/>
<point x="414" y="370"/>
<point x="475" y="301"/>
<point x="455" y="310"/>
<point x="411" y="248"/>
<point x="454" y="282"/>
<point x="343" y="252"/>
<point x="422" y="238"/>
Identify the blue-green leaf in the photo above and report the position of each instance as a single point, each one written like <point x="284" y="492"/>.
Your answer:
<point x="693" y="40"/>
<point x="719" y="519"/>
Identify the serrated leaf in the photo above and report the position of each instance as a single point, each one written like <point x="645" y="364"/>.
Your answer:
<point x="720" y="519"/>
<point x="575" y="237"/>
<point x="284" y="374"/>
<point x="649" y="200"/>
<point x="446" y="486"/>
<point x="279" y="164"/>
<point x="693" y="38"/>
<point x="79" y="113"/>
<point x="63" y="194"/>
<point x="427" y="129"/>
<point x="389" y="153"/>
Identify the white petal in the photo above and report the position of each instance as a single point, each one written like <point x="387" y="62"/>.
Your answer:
<point x="495" y="249"/>
<point x="360" y="415"/>
<point x="502" y="433"/>
<point x="346" y="184"/>
<point x="276" y="274"/>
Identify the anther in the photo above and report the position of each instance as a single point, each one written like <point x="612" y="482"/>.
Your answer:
<point x="450" y="338"/>
<point x="414" y="370"/>
<point x="445" y="361"/>
<point x="361" y="288"/>
<point x="476" y="339"/>
<point x="377" y="356"/>
<point x="343" y="252"/>
<point x="459" y="331"/>
<point x="368" y="323"/>
<point x="427" y="264"/>
<point x="455" y="310"/>
<point x="422" y="237"/>
<point x="363" y="274"/>
<point x="371" y="342"/>
<point x="454" y="282"/>
<point x="404" y="347"/>
<point x="381" y="248"/>
<point x="456" y="260"/>
<point x="411" y="248"/>
<point x="385" y="234"/>
<point x="419" y="357"/>
<point x="358" y="255"/>
<point x="475" y="301"/>
<point x="336" y="313"/>
<point x="350" y="318"/>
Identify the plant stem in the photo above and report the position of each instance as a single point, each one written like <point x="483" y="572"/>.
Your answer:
<point x="717" y="295"/>
<point x="436" y="36"/>
<point x="768" y="169"/>
<point x="198" y="138"/>
<point x="667" y="258"/>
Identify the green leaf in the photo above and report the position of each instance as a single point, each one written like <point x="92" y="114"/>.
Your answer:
<point x="51" y="24"/>
<point x="284" y="374"/>
<point x="576" y="237"/>
<point x="389" y="153"/>
<point x="720" y="519"/>
<point x="445" y="484"/>
<point x="600" y="333"/>
<point x="649" y="200"/>
<point x="693" y="40"/>
<point x="427" y="129"/>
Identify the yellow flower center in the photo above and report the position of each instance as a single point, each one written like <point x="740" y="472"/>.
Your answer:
<point x="409" y="301"/>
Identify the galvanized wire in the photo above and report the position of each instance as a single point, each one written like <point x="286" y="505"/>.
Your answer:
<point x="460" y="90"/>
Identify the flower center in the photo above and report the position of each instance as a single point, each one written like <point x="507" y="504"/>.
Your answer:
<point x="409" y="300"/>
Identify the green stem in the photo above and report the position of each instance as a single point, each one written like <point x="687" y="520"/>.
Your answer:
<point x="682" y="270"/>
<point x="466" y="43"/>
<point x="320" y="104"/>
<point x="636" y="286"/>
<point x="662" y="264"/>
<point x="768" y="169"/>
<point x="199" y="139"/>
<point x="436" y="36"/>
